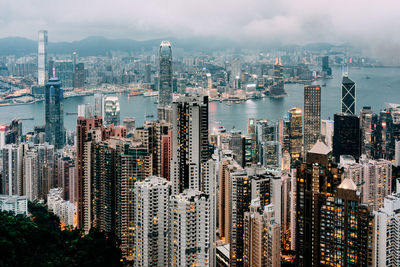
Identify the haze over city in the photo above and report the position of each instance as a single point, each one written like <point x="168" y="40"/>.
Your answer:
<point x="200" y="133"/>
<point x="371" y="25"/>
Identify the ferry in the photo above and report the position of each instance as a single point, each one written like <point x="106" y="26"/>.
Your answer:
<point x="150" y="94"/>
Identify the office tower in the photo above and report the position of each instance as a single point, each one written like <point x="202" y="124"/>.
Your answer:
<point x="12" y="180"/>
<point x="327" y="127"/>
<point x="261" y="237"/>
<point x="83" y="127"/>
<point x="65" y="73"/>
<point x="346" y="136"/>
<point x="295" y="133"/>
<point x="111" y="110"/>
<point x="236" y="69"/>
<point x="190" y="230"/>
<point x="237" y="146"/>
<point x="189" y="142"/>
<point x="325" y="66"/>
<point x="129" y="123"/>
<point x="54" y="116"/>
<point x="316" y="179"/>
<point x="165" y="75"/>
<point x="385" y="138"/>
<point x="277" y="89"/>
<point x="147" y="73"/>
<point x="346" y="229"/>
<point x="43" y="67"/>
<point x="387" y="238"/>
<point x="98" y="104"/>
<point x="78" y="76"/>
<point x="151" y="221"/>
<point x="312" y="116"/>
<point x="348" y="96"/>
<point x="250" y="150"/>
<point x="366" y="115"/>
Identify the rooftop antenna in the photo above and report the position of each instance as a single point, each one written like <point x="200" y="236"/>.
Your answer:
<point x="54" y="72"/>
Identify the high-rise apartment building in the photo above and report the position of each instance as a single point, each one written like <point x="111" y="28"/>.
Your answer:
<point x="346" y="229"/>
<point x="151" y="222"/>
<point x="190" y="230"/>
<point x="261" y="237"/>
<point x="43" y="67"/>
<point x="387" y="238"/>
<point x="189" y="142"/>
<point x="54" y="114"/>
<point x="348" y="96"/>
<point x="316" y="179"/>
<point x="312" y="116"/>
<point x="12" y="174"/>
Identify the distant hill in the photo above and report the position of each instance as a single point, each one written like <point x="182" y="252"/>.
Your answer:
<point x="95" y="45"/>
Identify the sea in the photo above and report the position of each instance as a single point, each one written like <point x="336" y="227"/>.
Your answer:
<point x="374" y="88"/>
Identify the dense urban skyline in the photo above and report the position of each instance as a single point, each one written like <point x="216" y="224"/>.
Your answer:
<point x="290" y="187"/>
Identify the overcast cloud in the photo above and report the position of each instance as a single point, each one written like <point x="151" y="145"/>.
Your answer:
<point x="365" y="22"/>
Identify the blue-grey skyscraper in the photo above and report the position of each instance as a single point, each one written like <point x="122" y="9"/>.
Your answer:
<point x="42" y="58"/>
<point x="348" y="96"/>
<point x="54" y="117"/>
<point x="165" y="75"/>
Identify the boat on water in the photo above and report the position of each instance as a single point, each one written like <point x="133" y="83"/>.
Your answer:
<point x="149" y="116"/>
<point x="367" y="77"/>
<point x="150" y="94"/>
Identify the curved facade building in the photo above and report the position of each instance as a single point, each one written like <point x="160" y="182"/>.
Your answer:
<point x="165" y="75"/>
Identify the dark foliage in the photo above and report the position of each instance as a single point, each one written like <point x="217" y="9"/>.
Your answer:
<point x="39" y="241"/>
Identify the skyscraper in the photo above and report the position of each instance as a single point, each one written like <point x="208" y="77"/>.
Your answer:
<point x="366" y="115"/>
<point x="111" y="111"/>
<point x="261" y="237"/>
<point x="312" y="116"/>
<point x="165" y="75"/>
<point x="190" y="142"/>
<point x="12" y="182"/>
<point x="387" y="238"/>
<point x="346" y="229"/>
<point x="348" y="96"/>
<point x="54" y="113"/>
<point x="190" y="232"/>
<point x="346" y="136"/>
<point x="98" y="104"/>
<point x="317" y="179"/>
<point x="295" y="133"/>
<point x="325" y="66"/>
<point x="43" y="67"/>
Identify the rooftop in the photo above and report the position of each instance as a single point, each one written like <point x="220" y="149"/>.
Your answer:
<point x="320" y="148"/>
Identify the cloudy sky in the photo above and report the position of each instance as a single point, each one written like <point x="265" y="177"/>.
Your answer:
<point x="365" y="22"/>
